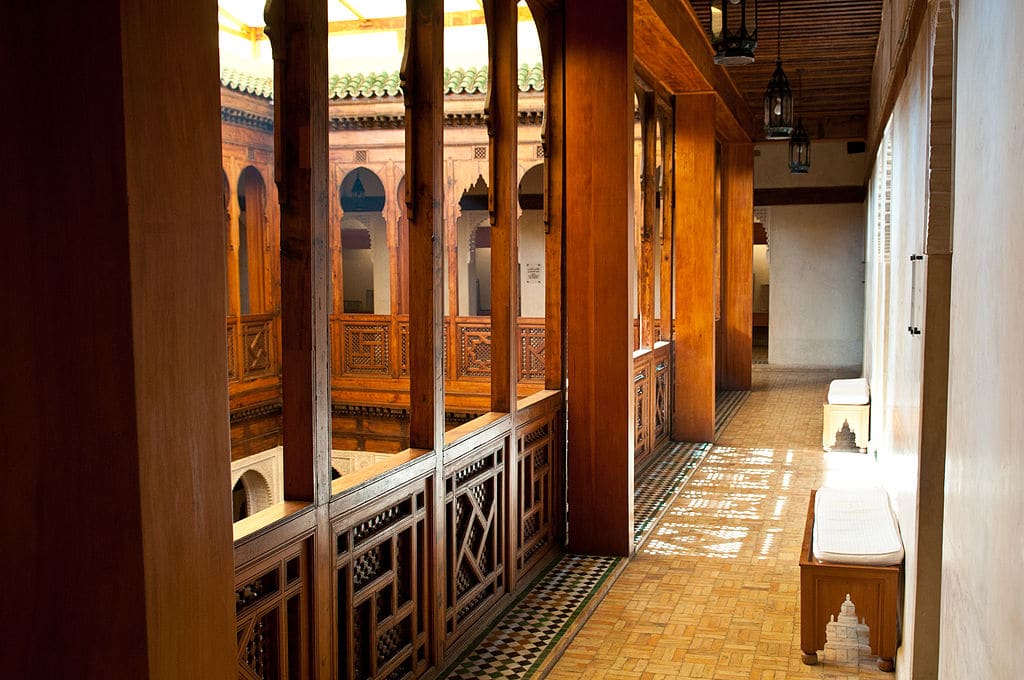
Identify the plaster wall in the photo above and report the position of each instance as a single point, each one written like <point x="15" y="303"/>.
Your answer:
<point x="817" y="291"/>
<point x="896" y="373"/>
<point x="531" y="263"/>
<point x="983" y="546"/>
<point x="762" y="279"/>
<point x="831" y="166"/>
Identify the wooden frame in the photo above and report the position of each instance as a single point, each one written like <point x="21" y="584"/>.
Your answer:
<point x="823" y="588"/>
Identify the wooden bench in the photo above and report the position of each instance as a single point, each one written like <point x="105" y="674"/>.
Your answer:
<point x="824" y="586"/>
<point x="846" y="411"/>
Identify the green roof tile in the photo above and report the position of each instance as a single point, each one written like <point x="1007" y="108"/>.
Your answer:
<point x="385" y="84"/>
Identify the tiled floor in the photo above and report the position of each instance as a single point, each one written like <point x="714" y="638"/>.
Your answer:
<point x="714" y="589"/>
<point x="714" y="592"/>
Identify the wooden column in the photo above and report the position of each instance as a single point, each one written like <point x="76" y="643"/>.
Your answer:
<point x="116" y="484"/>
<point x="503" y="121"/>
<point x="335" y="214"/>
<point x="599" y="226"/>
<point x="549" y="29"/>
<point x="737" y="265"/>
<point x="298" y="33"/>
<point x="648" y="184"/>
<point x="424" y="102"/>
<point x="693" y="403"/>
<point x="665" y="229"/>
<point x="300" y="140"/>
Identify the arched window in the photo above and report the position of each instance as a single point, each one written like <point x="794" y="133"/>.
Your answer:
<point x="365" y="266"/>
<point x="253" y="267"/>
<point x="531" y="243"/>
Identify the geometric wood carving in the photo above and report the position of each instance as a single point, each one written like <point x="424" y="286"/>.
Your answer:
<point x="272" y="616"/>
<point x="474" y="351"/>
<point x="536" y="497"/>
<point x="232" y="328"/>
<point x="366" y="348"/>
<point x="661" y="400"/>
<point x="531" y="353"/>
<point x="257" y="344"/>
<point x="474" y="537"/>
<point x="382" y="575"/>
<point x="641" y="387"/>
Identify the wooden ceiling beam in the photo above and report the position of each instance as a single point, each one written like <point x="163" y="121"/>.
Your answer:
<point x="670" y="44"/>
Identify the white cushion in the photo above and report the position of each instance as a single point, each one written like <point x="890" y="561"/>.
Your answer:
<point x="853" y="391"/>
<point x="856" y="526"/>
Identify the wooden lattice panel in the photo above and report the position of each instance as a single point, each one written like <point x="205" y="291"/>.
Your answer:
<point x="641" y="388"/>
<point x="366" y="349"/>
<point x="536" y="497"/>
<point x="272" y="616"/>
<point x="232" y="329"/>
<point x="383" y="608"/>
<point x="403" y="344"/>
<point x="474" y="542"/>
<point x="474" y="352"/>
<point x="661" y="399"/>
<point x="531" y="353"/>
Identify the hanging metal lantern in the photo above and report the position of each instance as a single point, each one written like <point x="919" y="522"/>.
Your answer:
<point x="778" y="105"/>
<point x="799" y="149"/>
<point x="734" y="31"/>
<point x="778" y="98"/>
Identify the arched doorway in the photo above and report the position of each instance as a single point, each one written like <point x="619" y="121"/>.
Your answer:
<point x="365" y="262"/>
<point x="249" y="495"/>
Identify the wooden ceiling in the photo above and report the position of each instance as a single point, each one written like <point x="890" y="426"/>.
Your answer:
<point x="829" y="45"/>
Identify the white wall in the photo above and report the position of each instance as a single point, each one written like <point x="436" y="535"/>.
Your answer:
<point x="983" y="547"/>
<point x="817" y="290"/>
<point x="762" y="279"/>
<point x="831" y="166"/>
<point x="816" y="254"/>
<point x="531" y="263"/>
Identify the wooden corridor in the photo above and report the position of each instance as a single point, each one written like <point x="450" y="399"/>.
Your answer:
<point x="714" y="592"/>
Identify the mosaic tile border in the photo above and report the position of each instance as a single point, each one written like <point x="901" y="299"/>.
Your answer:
<point x="531" y="627"/>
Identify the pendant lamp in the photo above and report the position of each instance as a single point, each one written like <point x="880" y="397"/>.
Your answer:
<point x="733" y="31"/>
<point x="800" y="144"/>
<point x="778" y="98"/>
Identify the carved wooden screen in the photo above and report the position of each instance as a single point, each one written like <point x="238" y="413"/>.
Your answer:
<point x="661" y="399"/>
<point x="537" y="489"/>
<point x="641" y="389"/>
<point x="383" y="606"/>
<point x="474" y="536"/>
<point x="272" y="615"/>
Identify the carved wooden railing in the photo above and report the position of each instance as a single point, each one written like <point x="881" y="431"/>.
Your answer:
<point x="652" y="375"/>
<point x="370" y="345"/>
<point x="253" y="347"/>
<point x="272" y="614"/>
<point x="395" y="541"/>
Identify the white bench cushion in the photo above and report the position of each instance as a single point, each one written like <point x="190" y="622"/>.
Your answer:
<point x="853" y="391"/>
<point x="856" y="526"/>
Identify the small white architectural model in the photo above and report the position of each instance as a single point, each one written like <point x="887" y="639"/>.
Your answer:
<point x="846" y="640"/>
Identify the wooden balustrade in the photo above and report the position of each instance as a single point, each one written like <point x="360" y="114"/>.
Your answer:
<point x="392" y="548"/>
<point x="652" y="376"/>
<point x="377" y="346"/>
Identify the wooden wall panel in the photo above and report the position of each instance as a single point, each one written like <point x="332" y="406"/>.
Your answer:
<point x="599" y="226"/>
<point x="737" y="266"/>
<point x="693" y="408"/>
